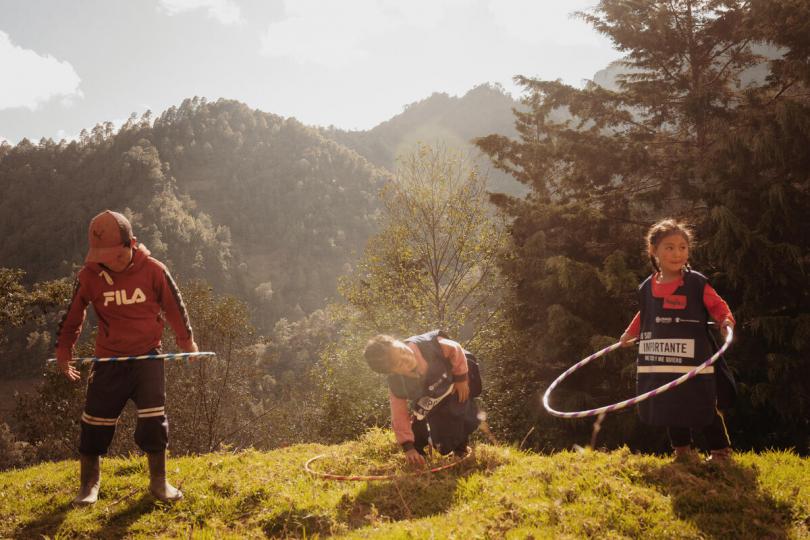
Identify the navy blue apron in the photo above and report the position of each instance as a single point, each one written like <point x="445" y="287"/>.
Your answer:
<point x="674" y="339"/>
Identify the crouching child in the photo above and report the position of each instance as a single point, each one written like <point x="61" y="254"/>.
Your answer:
<point x="438" y="379"/>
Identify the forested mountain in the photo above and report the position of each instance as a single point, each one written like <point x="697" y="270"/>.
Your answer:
<point x="454" y="121"/>
<point x="253" y="203"/>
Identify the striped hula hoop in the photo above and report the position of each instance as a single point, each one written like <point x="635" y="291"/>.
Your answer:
<point x="169" y="356"/>
<point x="632" y="401"/>
<point x="376" y="477"/>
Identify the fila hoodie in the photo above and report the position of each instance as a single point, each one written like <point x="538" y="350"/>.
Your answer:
<point x="129" y="306"/>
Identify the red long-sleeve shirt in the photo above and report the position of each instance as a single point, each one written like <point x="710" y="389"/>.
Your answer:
<point x="716" y="306"/>
<point x="400" y="419"/>
<point x="128" y="305"/>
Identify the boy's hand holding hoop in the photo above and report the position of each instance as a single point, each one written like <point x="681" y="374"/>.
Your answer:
<point x="64" y="361"/>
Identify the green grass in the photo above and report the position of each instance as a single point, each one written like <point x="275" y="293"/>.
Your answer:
<point x="500" y="492"/>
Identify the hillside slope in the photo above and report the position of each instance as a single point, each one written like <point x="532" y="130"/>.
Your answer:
<point x="498" y="493"/>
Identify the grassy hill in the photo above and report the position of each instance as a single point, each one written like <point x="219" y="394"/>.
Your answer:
<point x="500" y="492"/>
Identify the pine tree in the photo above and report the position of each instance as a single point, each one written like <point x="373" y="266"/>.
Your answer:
<point x="675" y="134"/>
<point x="758" y="231"/>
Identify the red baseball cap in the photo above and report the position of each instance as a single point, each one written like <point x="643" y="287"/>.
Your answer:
<point x="109" y="233"/>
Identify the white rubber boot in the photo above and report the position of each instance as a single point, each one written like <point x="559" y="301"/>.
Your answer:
<point x="90" y="480"/>
<point x="158" y="486"/>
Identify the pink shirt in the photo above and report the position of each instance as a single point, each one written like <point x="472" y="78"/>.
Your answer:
<point x="400" y="418"/>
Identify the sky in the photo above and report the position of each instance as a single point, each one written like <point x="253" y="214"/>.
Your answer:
<point x="65" y="66"/>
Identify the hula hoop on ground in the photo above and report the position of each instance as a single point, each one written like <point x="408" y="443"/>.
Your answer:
<point x="632" y="401"/>
<point x="375" y="477"/>
<point x="168" y="356"/>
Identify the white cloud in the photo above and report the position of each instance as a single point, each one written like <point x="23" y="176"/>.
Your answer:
<point x="545" y="22"/>
<point x="30" y="79"/>
<point x="336" y="34"/>
<point x="355" y="63"/>
<point x="225" y="11"/>
<point x="340" y="34"/>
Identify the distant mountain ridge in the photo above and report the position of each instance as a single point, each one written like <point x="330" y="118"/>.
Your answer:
<point x="453" y="121"/>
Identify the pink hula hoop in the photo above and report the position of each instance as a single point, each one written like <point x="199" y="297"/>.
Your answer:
<point x="374" y="477"/>
<point x="632" y="401"/>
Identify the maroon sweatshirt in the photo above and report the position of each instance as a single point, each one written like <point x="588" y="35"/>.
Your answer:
<point x="128" y="305"/>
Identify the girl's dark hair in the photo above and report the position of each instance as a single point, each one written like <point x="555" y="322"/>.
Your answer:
<point x="377" y="353"/>
<point x="661" y="230"/>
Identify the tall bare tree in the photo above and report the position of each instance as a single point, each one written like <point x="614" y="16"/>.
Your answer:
<point x="432" y="265"/>
<point x="434" y="262"/>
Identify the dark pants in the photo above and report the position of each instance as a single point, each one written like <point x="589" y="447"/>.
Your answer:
<point x="448" y="426"/>
<point x="715" y="433"/>
<point x="110" y="386"/>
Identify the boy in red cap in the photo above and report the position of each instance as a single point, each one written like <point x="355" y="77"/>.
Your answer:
<point x="130" y="292"/>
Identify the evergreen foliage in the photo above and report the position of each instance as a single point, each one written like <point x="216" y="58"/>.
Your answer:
<point x="27" y="318"/>
<point x="299" y="206"/>
<point x="687" y="132"/>
<point x="707" y="117"/>
<point x="292" y="369"/>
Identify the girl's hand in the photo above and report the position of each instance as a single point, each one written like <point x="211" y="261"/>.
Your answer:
<point x="462" y="388"/>
<point x="627" y="340"/>
<point x="724" y="326"/>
